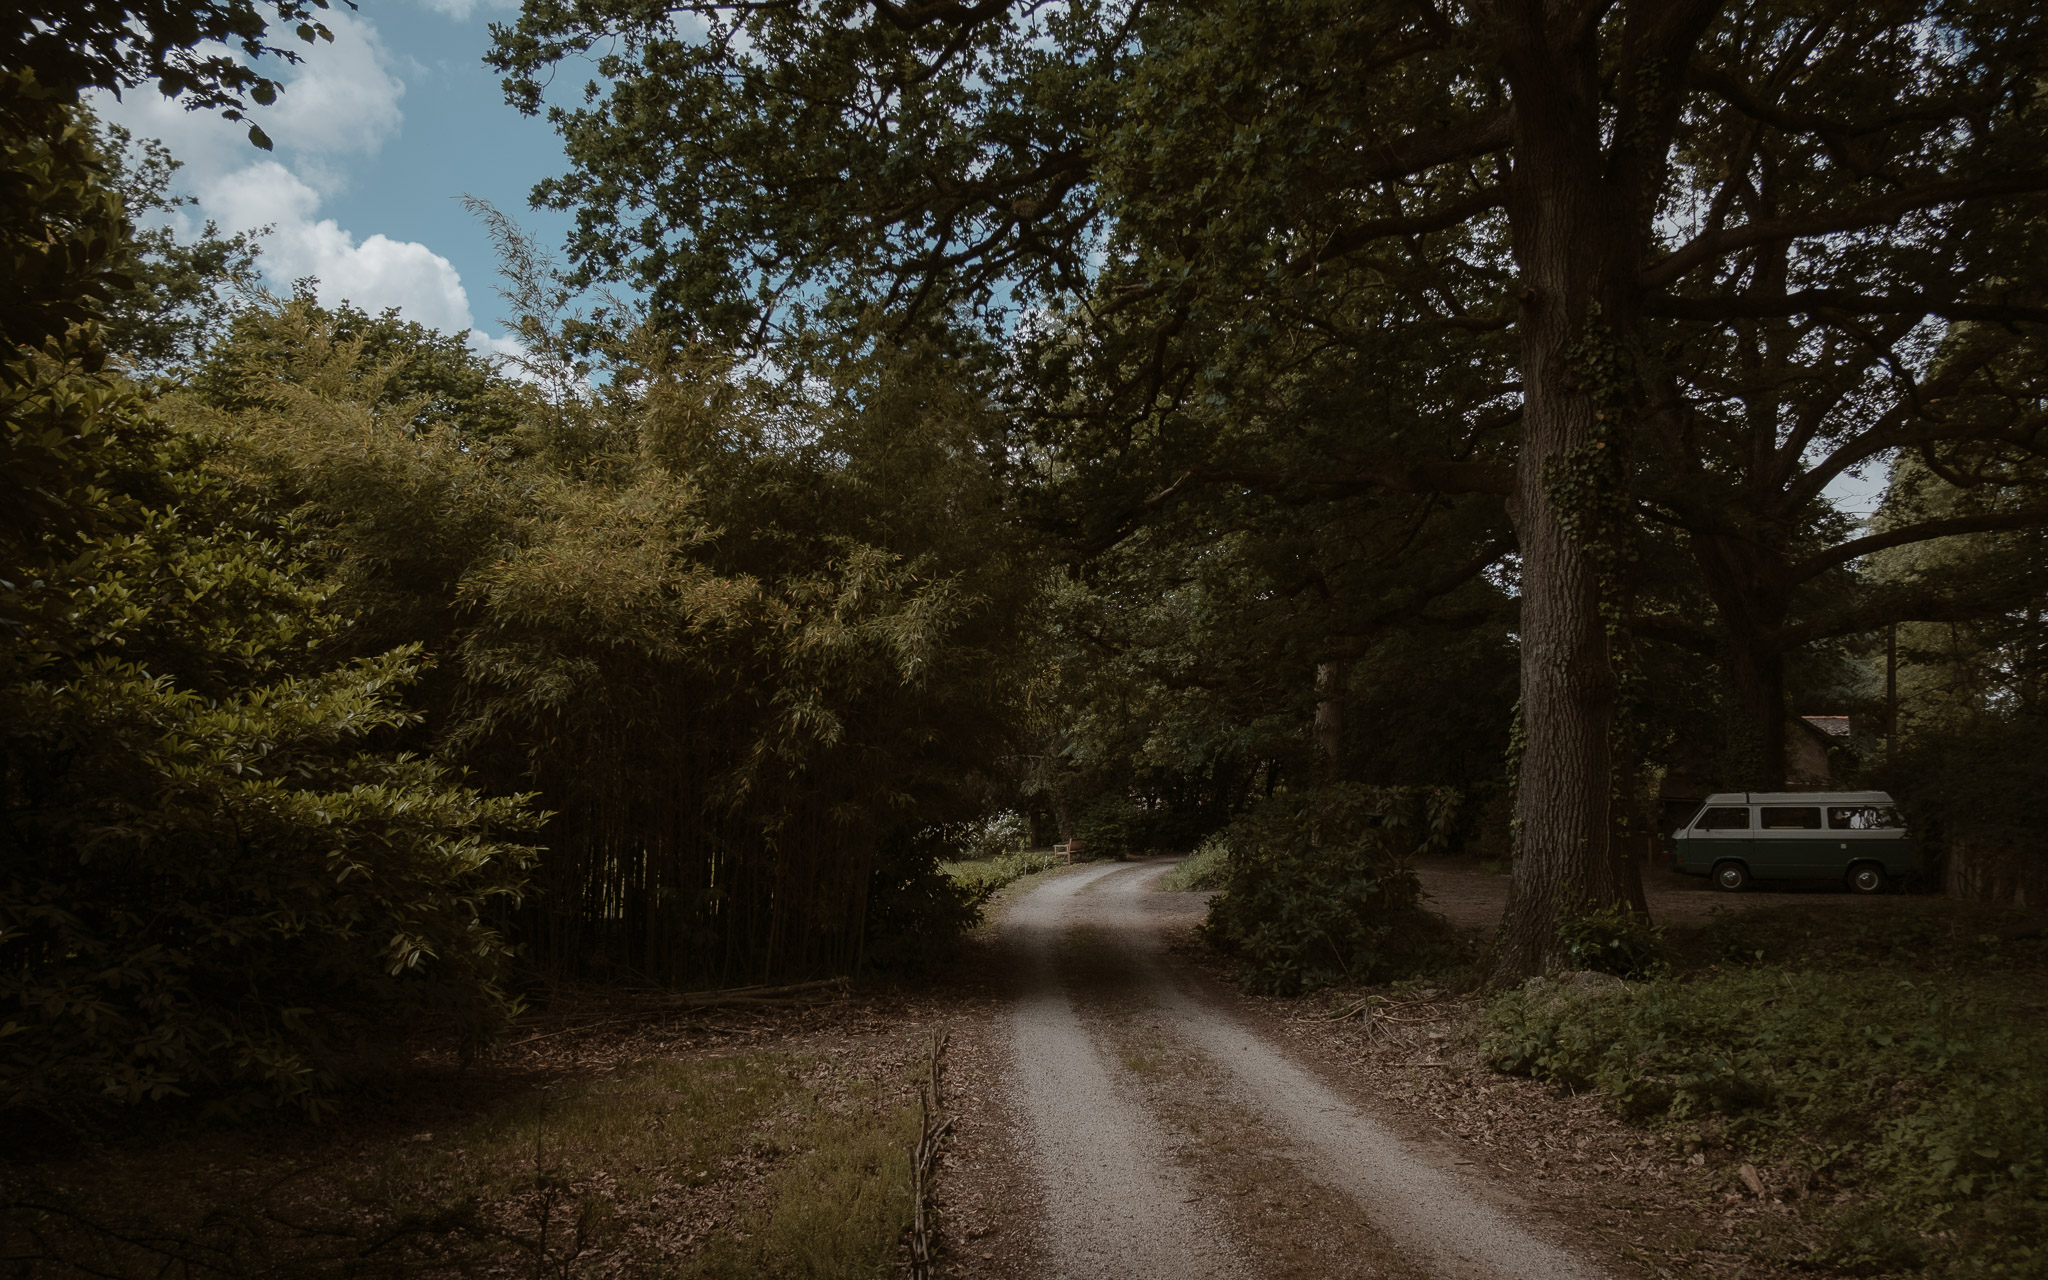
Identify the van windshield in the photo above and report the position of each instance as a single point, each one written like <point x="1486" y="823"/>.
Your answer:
<point x="1725" y="818"/>
<point x="1864" y="817"/>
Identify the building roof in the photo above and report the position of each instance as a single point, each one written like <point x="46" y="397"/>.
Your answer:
<point x="1833" y="726"/>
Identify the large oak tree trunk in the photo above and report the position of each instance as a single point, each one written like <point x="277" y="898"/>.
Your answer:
<point x="1566" y="243"/>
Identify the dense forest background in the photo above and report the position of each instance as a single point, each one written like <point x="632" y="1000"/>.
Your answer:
<point x="1151" y="478"/>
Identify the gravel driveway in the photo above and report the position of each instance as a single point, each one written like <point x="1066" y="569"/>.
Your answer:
<point x="1090" y="966"/>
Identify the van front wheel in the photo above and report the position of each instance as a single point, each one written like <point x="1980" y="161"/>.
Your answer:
<point x="1731" y="877"/>
<point x="1867" y="877"/>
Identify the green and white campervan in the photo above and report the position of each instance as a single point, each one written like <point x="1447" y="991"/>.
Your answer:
<point x="1854" y="836"/>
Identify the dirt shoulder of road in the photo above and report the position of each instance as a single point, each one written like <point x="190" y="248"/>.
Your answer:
<point x="420" y="1172"/>
<point x="1623" y="1196"/>
<point x="1653" y="1206"/>
<point x="607" y="1140"/>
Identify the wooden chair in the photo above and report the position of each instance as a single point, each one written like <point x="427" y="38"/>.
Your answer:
<point x="1068" y="851"/>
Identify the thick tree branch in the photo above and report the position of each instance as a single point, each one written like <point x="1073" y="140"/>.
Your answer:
<point x="1412" y="603"/>
<point x="1872" y="213"/>
<point x="1925" y="605"/>
<point x="1925" y="531"/>
<point x="1806" y="301"/>
<point x="1350" y="239"/>
<point x="1837" y="134"/>
<point x="1403" y="157"/>
<point x="1397" y="476"/>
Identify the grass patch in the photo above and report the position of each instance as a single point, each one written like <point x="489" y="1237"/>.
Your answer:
<point x="766" y="1164"/>
<point x="1880" y="1068"/>
<point x="1208" y="867"/>
<point x="984" y="876"/>
<point x="835" y="1210"/>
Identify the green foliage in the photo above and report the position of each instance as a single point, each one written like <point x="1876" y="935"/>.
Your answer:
<point x="983" y="877"/>
<point x="199" y="50"/>
<point x="1923" y="1097"/>
<point x="184" y="293"/>
<point x="62" y="238"/>
<point x="1615" y="939"/>
<point x="1107" y="826"/>
<point x="740" y="636"/>
<point x="1208" y="867"/>
<point x="273" y="357"/>
<point x="1319" y="891"/>
<point x="215" y="869"/>
<point x="211" y="897"/>
<point x="915" y="909"/>
<point x="218" y="873"/>
<point x="994" y="836"/>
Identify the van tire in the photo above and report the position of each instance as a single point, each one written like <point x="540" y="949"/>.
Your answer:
<point x="1731" y="877"/>
<point x="1868" y="877"/>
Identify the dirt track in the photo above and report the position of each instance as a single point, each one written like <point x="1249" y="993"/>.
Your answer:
<point x="1097" y="991"/>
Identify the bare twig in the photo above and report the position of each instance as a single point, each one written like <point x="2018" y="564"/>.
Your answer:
<point x="933" y="1126"/>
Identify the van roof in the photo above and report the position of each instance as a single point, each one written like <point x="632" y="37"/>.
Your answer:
<point x="1800" y="797"/>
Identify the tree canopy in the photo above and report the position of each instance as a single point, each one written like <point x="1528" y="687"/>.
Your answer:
<point x="1652" y="268"/>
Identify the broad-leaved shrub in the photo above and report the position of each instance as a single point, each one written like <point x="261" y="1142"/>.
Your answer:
<point x="1613" y="939"/>
<point x="1319" y="891"/>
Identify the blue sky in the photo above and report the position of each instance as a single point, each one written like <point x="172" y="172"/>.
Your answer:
<point x="377" y="134"/>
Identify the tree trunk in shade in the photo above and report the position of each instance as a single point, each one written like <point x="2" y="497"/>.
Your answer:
<point x="1575" y="248"/>
<point x="1329" y="727"/>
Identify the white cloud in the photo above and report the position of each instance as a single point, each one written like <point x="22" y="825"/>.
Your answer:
<point x="344" y="97"/>
<point x="342" y="102"/>
<point x="509" y="346"/>
<point x="375" y="273"/>
<point x="460" y="10"/>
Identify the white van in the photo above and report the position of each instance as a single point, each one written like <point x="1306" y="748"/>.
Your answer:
<point x="1857" y="837"/>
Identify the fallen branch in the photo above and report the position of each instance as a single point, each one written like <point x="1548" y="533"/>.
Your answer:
<point x="933" y="1126"/>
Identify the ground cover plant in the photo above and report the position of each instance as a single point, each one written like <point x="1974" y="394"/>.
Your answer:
<point x="1206" y="868"/>
<point x="1880" y="1071"/>
<point x="982" y="877"/>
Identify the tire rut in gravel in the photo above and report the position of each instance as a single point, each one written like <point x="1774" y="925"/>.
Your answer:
<point x="1116" y="1204"/>
<point x="1093" y="940"/>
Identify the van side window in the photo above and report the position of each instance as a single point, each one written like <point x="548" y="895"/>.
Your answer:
<point x="1790" y="819"/>
<point x="1864" y="817"/>
<point x="1723" y="819"/>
